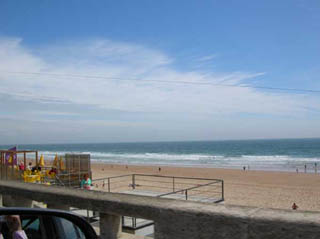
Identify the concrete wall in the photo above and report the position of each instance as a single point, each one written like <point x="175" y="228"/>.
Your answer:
<point x="177" y="219"/>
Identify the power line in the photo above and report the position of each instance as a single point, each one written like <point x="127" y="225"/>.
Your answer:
<point x="163" y="81"/>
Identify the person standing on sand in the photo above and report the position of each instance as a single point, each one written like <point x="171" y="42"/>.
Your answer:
<point x="305" y="168"/>
<point x="294" y="206"/>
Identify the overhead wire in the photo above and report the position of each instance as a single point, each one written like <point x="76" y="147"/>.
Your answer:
<point x="164" y="81"/>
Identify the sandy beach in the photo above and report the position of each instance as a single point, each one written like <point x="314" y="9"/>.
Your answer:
<point x="250" y="188"/>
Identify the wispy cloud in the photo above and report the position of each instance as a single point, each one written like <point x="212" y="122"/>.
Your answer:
<point x="103" y="98"/>
<point x="207" y="58"/>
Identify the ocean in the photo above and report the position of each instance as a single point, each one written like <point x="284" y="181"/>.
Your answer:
<point x="277" y="154"/>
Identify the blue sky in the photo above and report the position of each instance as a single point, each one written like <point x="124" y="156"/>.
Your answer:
<point x="269" y="43"/>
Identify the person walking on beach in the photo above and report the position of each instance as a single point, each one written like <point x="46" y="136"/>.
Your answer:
<point x="294" y="206"/>
<point x="315" y="167"/>
<point x="305" y="168"/>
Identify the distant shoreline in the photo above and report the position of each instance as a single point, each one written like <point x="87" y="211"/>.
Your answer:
<point x="201" y="166"/>
<point x="161" y="141"/>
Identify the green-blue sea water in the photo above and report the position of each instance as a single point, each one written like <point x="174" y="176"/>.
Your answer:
<point x="277" y="154"/>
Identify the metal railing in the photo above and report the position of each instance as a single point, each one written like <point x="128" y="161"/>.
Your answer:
<point x="106" y="184"/>
<point x="193" y="193"/>
<point x="163" y="186"/>
<point x="180" y="188"/>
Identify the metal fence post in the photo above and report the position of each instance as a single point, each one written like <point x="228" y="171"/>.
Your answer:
<point x="173" y="184"/>
<point x="109" y="185"/>
<point x="222" y="189"/>
<point x="79" y="174"/>
<point x="133" y="181"/>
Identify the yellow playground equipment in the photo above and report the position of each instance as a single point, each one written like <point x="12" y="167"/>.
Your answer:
<point x="67" y="170"/>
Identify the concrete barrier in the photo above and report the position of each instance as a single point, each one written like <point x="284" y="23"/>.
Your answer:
<point x="177" y="219"/>
<point x="14" y="201"/>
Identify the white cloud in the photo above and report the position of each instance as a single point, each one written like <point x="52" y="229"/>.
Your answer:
<point x="116" y="60"/>
<point x="207" y="58"/>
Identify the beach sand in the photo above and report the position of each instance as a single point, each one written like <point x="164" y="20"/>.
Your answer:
<point x="249" y="188"/>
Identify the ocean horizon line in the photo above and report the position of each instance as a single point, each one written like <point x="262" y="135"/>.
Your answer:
<point x="164" y="141"/>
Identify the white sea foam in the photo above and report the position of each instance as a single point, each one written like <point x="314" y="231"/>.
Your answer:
<point x="262" y="162"/>
<point x="183" y="158"/>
